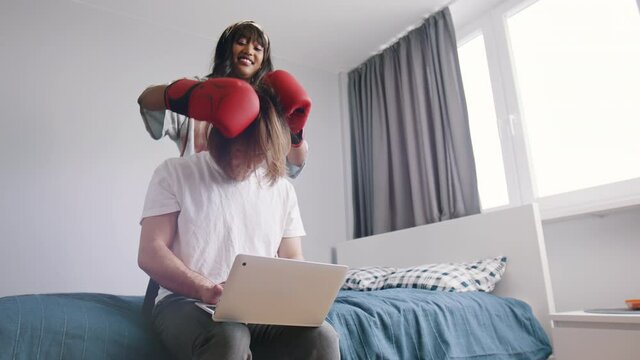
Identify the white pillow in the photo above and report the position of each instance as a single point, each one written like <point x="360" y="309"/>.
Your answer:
<point x="367" y="278"/>
<point x="476" y="276"/>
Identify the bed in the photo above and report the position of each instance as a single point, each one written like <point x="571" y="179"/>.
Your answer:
<point x="396" y="323"/>
<point x="511" y="323"/>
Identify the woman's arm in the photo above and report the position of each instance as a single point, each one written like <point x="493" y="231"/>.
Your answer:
<point x="298" y="155"/>
<point x="291" y="248"/>
<point x="157" y="260"/>
<point x="152" y="98"/>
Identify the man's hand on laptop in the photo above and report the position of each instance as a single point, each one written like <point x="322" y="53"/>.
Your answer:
<point x="211" y="294"/>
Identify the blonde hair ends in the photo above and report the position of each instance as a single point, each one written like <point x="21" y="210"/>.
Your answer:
<point x="266" y="141"/>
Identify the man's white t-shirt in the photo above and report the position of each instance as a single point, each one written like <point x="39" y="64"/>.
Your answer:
<point x="219" y="217"/>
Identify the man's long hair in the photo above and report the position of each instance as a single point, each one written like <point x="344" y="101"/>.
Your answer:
<point x="266" y="141"/>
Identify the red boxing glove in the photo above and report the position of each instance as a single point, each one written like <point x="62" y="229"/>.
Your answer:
<point x="231" y="105"/>
<point x="295" y="102"/>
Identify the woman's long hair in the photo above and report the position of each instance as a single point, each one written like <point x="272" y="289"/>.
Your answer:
<point x="223" y="57"/>
<point x="266" y="141"/>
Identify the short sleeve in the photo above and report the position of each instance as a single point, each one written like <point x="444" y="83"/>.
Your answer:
<point x="154" y="122"/>
<point x="293" y="222"/>
<point x="293" y="170"/>
<point x="161" y="196"/>
<point x="160" y="123"/>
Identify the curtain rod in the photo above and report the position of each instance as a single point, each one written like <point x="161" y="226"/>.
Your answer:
<point x="412" y="27"/>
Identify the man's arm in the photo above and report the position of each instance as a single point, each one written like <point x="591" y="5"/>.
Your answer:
<point x="152" y="98"/>
<point x="157" y="260"/>
<point x="291" y="248"/>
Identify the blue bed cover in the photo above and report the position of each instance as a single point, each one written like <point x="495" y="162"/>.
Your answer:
<point x="387" y="324"/>
<point x="420" y="324"/>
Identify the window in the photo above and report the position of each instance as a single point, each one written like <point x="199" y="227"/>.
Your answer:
<point x="564" y="99"/>
<point x="483" y="123"/>
<point x="578" y="79"/>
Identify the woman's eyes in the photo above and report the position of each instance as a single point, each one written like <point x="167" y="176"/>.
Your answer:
<point x="256" y="46"/>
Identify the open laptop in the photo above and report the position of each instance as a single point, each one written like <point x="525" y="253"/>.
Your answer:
<point x="277" y="291"/>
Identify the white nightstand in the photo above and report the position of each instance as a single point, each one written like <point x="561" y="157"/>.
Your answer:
<point x="583" y="336"/>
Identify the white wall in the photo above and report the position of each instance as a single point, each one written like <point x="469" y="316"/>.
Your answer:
<point x="320" y="187"/>
<point x="76" y="159"/>
<point x="593" y="259"/>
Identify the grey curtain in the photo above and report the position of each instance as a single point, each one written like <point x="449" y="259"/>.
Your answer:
<point x="411" y="149"/>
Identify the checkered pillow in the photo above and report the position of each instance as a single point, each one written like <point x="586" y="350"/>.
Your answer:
<point x="477" y="276"/>
<point x="367" y="278"/>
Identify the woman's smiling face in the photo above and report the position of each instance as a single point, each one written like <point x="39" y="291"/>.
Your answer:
<point x="247" y="57"/>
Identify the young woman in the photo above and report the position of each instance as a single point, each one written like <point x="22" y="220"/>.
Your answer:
<point x="243" y="51"/>
<point x="201" y="211"/>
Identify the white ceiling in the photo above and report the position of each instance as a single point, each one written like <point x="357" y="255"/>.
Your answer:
<point x="331" y="35"/>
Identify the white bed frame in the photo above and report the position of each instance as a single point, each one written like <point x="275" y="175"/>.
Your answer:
<point x="515" y="233"/>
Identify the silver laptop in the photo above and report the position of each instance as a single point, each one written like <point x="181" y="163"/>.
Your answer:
<point x="266" y="290"/>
